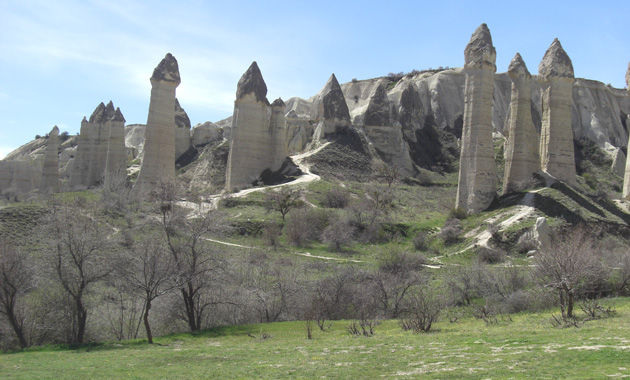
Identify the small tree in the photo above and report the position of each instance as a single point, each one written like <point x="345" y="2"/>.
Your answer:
<point x="338" y="234"/>
<point x="568" y="267"/>
<point x="79" y="245"/>
<point x="15" y="282"/>
<point x="283" y="200"/>
<point x="149" y="269"/>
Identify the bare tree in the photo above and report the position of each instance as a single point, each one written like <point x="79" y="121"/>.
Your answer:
<point x="194" y="261"/>
<point x="149" y="270"/>
<point x="283" y="200"/>
<point x="79" y="243"/>
<point x="387" y="173"/>
<point x="338" y="234"/>
<point x="15" y="281"/>
<point x="568" y="267"/>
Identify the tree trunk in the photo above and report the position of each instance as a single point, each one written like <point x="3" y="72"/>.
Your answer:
<point x="570" y="305"/>
<point x="17" y="328"/>
<point x="81" y="321"/>
<point x="145" y="318"/>
<point x="189" y="303"/>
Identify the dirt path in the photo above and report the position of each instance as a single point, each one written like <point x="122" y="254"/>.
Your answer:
<point x="211" y="202"/>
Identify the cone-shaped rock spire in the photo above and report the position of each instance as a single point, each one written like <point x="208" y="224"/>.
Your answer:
<point x="521" y="149"/>
<point x="480" y="49"/>
<point x="556" y="134"/>
<point x="556" y="62"/>
<point x="167" y="70"/>
<point x="50" y="172"/>
<point x="476" y="186"/>
<point x="252" y="82"/>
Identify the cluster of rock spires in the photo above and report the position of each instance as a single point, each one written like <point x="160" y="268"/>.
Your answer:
<point x="477" y="181"/>
<point x="397" y="118"/>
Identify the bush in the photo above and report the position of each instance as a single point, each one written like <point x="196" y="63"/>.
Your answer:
<point x="271" y="233"/>
<point x="397" y="261"/>
<point x="457" y="213"/>
<point x="420" y="241"/>
<point x="338" y="234"/>
<point x="305" y="224"/>
<point x="422" y="310"/>
<point x="490" y="255"/>
<point x="451" y="231"/>
<point x="337" y="198"/>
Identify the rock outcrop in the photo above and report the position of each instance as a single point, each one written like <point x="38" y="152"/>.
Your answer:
<point x="116" y="162"/>
<point x="278" y="126"/>
<point x="19" y="177"/>
<point x="476" y="186"/>
<point x="50" y="172"/>
<point x="183" y="139"/>
<point x="203" y="134"/>
<point x="521" y="148"/>
<point x="330" y="110"/>
<point x="384" y="133"/>
<point x="625" y="192"/>
<point x="556" y="136"/>
<point x="253" y="145"/>
<point x="158" y="164"/>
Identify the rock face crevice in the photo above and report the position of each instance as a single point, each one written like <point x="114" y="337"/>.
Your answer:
<point x="258" y="133"/>
<point x="476" y="187"/>
<point x="556" y="136"/>
<point x="50" y="172"/>
<point x="158" y="164"/>
<point x="521" y="149"/>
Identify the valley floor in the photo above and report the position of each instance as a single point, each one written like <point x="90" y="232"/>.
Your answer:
<point x="525" y="347"/>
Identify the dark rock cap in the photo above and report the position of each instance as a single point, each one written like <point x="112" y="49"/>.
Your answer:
<point x="252" y="81"/>
<point x="278" y="103"/>
<point x="167" y="70"/>
<point x="334" y="101"/>
<point x="479" y="50"/>
<point x="110" y="111"/>
<point x="98" y="113"/>
<point x="556" y="62"/>
<point x="181" y="117"/>
<point x="377" y="112"/>
<point x="118" y="116"/>
<point x="517" y="67"/>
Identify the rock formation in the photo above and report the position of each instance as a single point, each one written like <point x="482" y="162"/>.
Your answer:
<point x="385" y="134"/>
<point x="19" y="177"/>
<point x="50" y="172"/>
<point x="618" y="165"/>
<point x="521" y="149"/>
<point x="252" y="146"/>
<point x="182" y="132"/>
<point x="476" y="186"/>
<point x="625" y="193"/>
<point x="331" y="110"/>
<point x="158" y="164"/>
<point x="116" y="162"/>
<point x="556" y="135"/>
<point x="278" y="126"/>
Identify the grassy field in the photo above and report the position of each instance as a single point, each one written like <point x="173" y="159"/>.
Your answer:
<point x="526" y="347"/>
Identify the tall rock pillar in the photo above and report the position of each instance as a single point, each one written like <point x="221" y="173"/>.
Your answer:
<point x="476" y="186"/>
<point x="331" y="110"/>
<point x="626" y="177"/>
<point x="251" y="150"/>
<point x="158" y="164"/>
<point x="183" y="139"/>
<point x="116" y="162"/>
<point x="556" y="135"/>
<point x="521" y="152"/>
<point x="278" y="125"/>
<point x="50" y="172"/>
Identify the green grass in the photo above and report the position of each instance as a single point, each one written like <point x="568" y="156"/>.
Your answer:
<point x="526" y="347"/>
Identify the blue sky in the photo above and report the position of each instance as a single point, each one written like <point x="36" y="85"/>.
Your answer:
<point x="59" y="59"/>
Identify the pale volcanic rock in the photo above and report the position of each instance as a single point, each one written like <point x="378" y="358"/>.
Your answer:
<point x="158" y="164"/>
<point x="299" y="132"/>
<point x="183" y="139"/>
<point x="386" y="135"/>
<point x="278" y="126"/>
<point x="203" y="134"/>
<point x="521" y="149"/>
<point x="116" y="161"/>
<point x="618" y="162"/>
<point x="625" y="193"/>
<point x="556" y="136"/>
<point x="19" y="177"/>
<point x="50" y="172"/>
<point x="476" y="187"/>
<point x="542" y="234"/>
<point x="330" y="109"/>
<point x="250" y="144"/>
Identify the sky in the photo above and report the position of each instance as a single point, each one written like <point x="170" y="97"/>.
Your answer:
<point x="60" y="59"/>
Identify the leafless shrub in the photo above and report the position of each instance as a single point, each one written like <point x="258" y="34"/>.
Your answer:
<point x="283" y="200"/>
<point x="308" y="324"/>
<point x="569" y="267"/>
<point x="338" y="234"/>
<point x="594" y="310"/>
<point x="305" y="225"/>
<point x="420" y="241"/>
<point x="362" y="327"/>
<point x="422" y="310"/>
<point x="337" y="198"/>
<point x="490" y="255"/>
<point x="271" y="234"/>
<point x="451" y="231"/>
